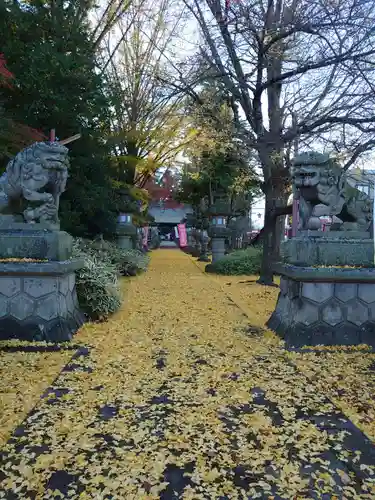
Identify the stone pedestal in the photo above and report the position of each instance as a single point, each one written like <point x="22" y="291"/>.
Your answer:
<point x="125" y="242"/>
<point x="333" y="248"/>
<point x="218" y="235"/>
<point x="38" y="300"/>
<point x="325" y="306"/>
<point x="42" y="241"/>
<point x="125" y="236"/>
<point x="218" y="249"/>
<point x="34" y="243"/>
<point x="190" y="241"/>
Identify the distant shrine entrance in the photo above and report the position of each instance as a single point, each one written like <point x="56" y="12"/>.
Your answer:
<point x="166" y="211"/>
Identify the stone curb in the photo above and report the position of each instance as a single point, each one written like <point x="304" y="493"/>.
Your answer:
<point x="51" y="268"/>
<point x="326" y="274"/>
<point x="300" y="350"/>
<point x="41" y="348"/>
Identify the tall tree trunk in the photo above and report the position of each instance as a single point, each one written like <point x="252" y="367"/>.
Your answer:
<point x="132" y="154"/>
<point x="276" y="203"/>
<point x="272" y="151"/>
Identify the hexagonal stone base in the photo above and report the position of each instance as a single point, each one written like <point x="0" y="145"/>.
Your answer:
<point x="38" y="301"/>
<point x="334" y="309"/>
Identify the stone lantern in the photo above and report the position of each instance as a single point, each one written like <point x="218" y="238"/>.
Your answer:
<point x="125" y="230"/>
<point x="203" y="238"/>
<point x="190" y="222"/>
<point x="218" y="230"/>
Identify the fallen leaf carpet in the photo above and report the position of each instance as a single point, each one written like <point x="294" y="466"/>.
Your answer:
<point x="184" y="394"/>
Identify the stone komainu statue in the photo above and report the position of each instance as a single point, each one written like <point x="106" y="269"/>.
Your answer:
<point x="323" y="189"/>
<point x="34" y="180"/>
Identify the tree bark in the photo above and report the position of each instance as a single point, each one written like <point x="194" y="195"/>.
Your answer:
<point x="280" y="212"/>
<point x="275" y="207"/>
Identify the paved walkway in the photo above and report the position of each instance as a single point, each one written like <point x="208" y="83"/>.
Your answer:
<point x="167" y="244"/>
<point x="177" y="397"/>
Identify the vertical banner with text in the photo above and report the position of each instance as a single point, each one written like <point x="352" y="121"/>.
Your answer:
<point x="182" y="235"/>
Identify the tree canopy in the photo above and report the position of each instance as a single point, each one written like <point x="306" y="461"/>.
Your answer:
<point x="301" y="74"/>
<point x="48" y="48"/>
<point x="219" y="159"/>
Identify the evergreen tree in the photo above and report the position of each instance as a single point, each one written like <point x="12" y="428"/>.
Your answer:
<point x="47" y="45"/>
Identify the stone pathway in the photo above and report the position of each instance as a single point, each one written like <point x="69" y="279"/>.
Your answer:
<point x="179" y="397"/>
<point x="167" y="244"/>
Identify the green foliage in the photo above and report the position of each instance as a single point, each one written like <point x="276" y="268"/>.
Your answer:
<point x="52" y="58"/>
<point x="48" y="47"/>
<point x="239" y="262"/>
<point x="97" y="286"/>
<point x="227" y="173"/>
<point x="219" y="161"/>
<point x="192" y="188"/>
<point x="90" y="205"/>
<point x="126" y="262"/>
<point x="98" y="289"/>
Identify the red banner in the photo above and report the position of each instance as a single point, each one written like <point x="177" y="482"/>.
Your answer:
<point x="182" y="235"/>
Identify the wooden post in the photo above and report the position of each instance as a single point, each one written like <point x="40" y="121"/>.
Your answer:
<point x="70" y="139"/>
<point x="52" y="136"/>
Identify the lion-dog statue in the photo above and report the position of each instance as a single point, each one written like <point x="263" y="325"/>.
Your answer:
<point x="34" y="180"/>
<point x="323" y="190"/>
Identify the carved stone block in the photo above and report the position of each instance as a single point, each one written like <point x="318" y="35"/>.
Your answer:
<point x="334" y="306"/>
<point x="35" y="244"/>
<point x="32" y="305"/>
<point x="328" y="249"/>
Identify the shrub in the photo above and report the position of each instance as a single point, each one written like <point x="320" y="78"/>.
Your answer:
<point x="238" y="262"/>
<point x="97" y="284"/>
<point x="127" y="262"/>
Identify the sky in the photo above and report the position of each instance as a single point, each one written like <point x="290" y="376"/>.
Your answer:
<point x="184" y="46"/>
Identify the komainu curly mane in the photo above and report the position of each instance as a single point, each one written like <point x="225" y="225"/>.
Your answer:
<point x="323" y="189"/>
<point x="34" y="181"/>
